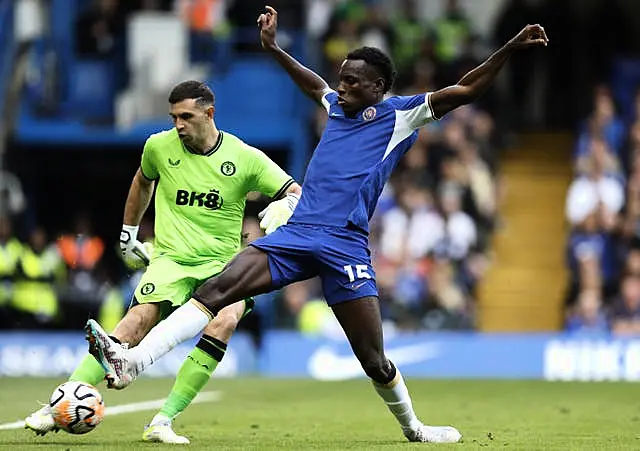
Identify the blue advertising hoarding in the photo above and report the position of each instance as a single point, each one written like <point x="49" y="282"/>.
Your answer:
<point x="420" y="355"/>
<point x="461" y="355"/>
<point x="57" y="354"/>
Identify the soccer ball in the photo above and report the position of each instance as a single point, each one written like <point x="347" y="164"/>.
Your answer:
<point x="76" y="407"/>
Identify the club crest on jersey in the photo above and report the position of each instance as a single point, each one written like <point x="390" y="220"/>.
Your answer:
<point x="228" y="168"/>
<point x="174" y="163"/>
<point x="369" y="114"/>
<point x="147" y="288"/>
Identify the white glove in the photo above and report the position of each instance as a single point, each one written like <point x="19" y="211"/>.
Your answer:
<point x="133" y="250"/>
<point x="278" y="213"/>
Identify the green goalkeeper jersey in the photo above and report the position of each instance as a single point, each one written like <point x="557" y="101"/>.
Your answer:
<point x="200" y="198"/>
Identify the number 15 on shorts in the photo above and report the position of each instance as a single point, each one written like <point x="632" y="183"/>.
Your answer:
<point x="357" y="272"/>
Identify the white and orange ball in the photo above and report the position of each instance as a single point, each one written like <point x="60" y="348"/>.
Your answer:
<point x="76" y="407"/>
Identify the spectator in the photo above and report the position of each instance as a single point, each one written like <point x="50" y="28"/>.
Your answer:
<point x="450" y="302"/>
<point x="459" y="234"/>
<point x="596" y="193"/>
<point x="588" y="316"/>
<point x="12" y="198"/>
<point x="597" y="147"/>
<point x="603" y="123"/>
<point x="99" y="28"/>
<point x="82" y="252"/>
<point x="10" y="252"/>
<point x="631" y="221"/>
<point x="452" y="32"/>
<point x="625" y="315"/>
<point x="40" y="270"/>
<point x="209" y="27"/>
<point x="410" y="33"/>
<point x="376" y="31"/>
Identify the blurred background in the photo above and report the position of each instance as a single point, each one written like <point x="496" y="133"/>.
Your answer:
<point x="519" y="213"/>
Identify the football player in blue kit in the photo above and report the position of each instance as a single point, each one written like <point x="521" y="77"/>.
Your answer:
<point x="327" y="235"/>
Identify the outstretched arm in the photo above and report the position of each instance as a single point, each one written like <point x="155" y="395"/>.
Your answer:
<point x="476" y="82"/>
<point x="310" y="82"/>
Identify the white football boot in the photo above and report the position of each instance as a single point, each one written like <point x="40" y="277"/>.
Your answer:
<point x="163" y="433"/>
<point x="41" y="421"/>
<point x="433" y="434"/>
<point x="111" y="355"/>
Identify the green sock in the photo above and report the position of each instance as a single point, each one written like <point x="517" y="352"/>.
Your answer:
<point x="193" y="375"/>
<point x="88" y="371"/>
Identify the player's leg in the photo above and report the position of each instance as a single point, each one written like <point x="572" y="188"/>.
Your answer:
<point x="349" y="286"/>
<point x="267" y="264"/>
<point x="164" y="286"/>
<point x="195" y="372"/>
<point x="246" y="275"/>
<point x="361" y="322"/>
<point x="135" y="324"/>
<point x="162" y="282"/>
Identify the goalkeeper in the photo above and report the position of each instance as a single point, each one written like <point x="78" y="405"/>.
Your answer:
<point x="203" y="176"/>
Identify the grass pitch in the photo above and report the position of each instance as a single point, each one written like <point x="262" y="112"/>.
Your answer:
<point x="263" y="414"/>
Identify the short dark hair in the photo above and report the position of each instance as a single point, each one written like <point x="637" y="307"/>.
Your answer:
<point x="192" y="89"/>
<point x="379" y="60"/>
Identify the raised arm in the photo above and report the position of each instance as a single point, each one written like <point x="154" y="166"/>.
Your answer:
<point x="310" y="82"/>
<point x="476" y="82"/>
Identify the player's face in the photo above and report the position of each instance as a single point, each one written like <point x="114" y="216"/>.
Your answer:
<point x="360" y="86"/>
<point x="191" y="121"/>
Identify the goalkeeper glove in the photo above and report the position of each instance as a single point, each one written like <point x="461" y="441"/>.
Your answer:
<point x="278" y="213"/>
<point x="132" y="249"/>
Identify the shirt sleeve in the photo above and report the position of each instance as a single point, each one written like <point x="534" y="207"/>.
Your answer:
<point x="266" y="176"/>
<point x="329" y="97"/>
<point x="416" y="110"/>
<point x="148" y="164"/>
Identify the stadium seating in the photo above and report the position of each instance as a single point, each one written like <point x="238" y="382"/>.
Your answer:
<point x="255" y="99"/>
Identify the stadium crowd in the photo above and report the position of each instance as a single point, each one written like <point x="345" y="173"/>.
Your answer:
<point x="603" y="210"/>
<point x="431" y="232"/>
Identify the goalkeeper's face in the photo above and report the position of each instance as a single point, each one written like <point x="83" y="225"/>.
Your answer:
<point x="193" y="121"/>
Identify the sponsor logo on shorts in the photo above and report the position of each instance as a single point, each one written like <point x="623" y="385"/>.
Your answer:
<point x="228" y="168"/>
<point x="147" y="288"/>
<point x="355" y="286"/>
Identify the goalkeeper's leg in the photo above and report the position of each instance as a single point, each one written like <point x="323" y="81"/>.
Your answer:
<point x="195" y="372"/>
<point x="131" y="329"/>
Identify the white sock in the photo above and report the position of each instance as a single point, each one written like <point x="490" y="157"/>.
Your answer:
<point x="185" y="323"/>
<point x="396" y="397"/>
<point x="160" y="419"/>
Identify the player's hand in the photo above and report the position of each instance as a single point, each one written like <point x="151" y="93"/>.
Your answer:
<point x="132" y="249"/>
<point x="530" y="35"/>
<point x="278" y="213"/>
<point x="268" y="24"/>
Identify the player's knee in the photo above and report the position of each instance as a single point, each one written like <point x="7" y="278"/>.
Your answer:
<point x="223" y="326"/>
<point x="378" y="368"/>
<point x="216" y="288"/>
<point x="136" y="323"/>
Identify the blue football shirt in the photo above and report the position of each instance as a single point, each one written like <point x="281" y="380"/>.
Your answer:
<point x="355" y="157"/>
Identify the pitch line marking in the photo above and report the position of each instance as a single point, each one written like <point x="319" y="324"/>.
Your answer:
<point x="207" y="396"/>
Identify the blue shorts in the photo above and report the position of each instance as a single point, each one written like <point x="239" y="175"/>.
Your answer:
<point x="340" y="256"/>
